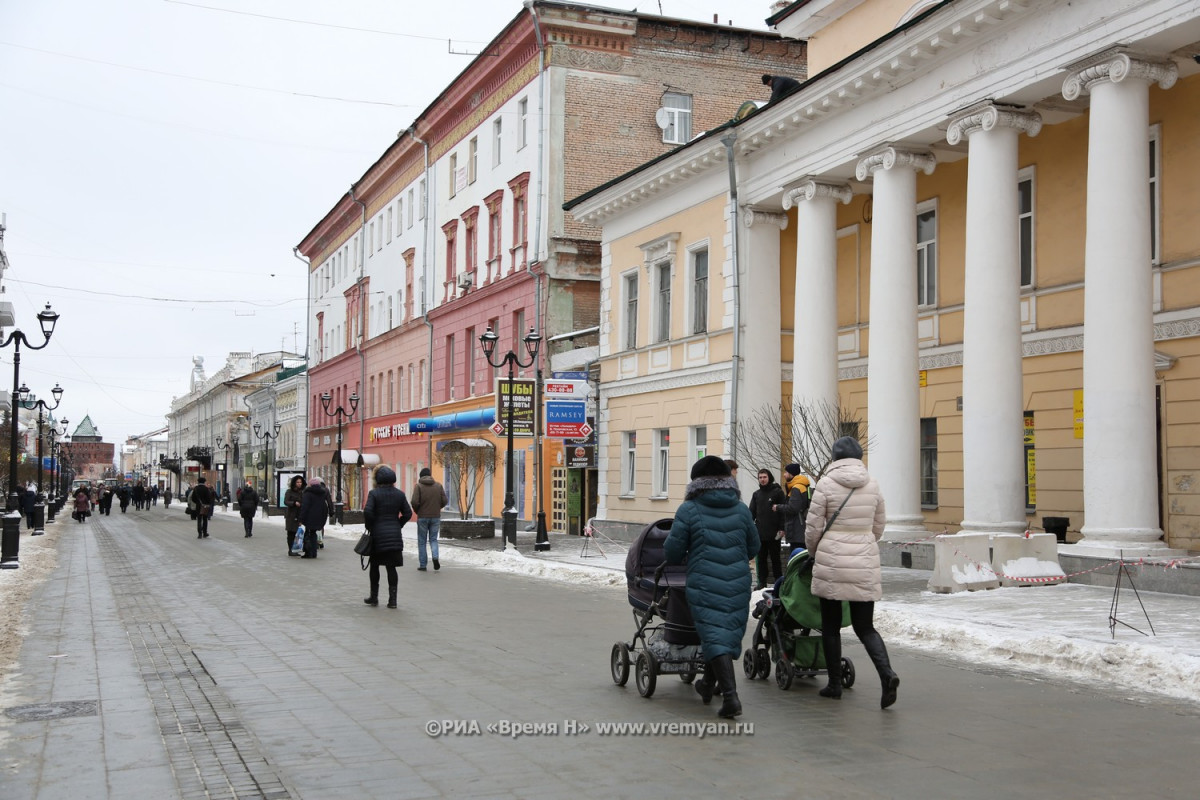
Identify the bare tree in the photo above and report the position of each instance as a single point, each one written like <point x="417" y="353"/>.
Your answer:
<point x="796" y="432"/>
<point x="467" y="466"/>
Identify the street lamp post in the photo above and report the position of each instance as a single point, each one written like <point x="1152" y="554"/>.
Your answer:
<point x="224" y="466"/>
<point x="533" y="341"/>
<point x="339" y="412"/>
<point x="52" y="499"/>
<point x="10" y="538"/>
<point x="270" y="437"/>
<point x="39" y="512"/>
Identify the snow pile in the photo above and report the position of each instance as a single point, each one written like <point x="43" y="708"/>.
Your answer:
<point x="1031" y="567"/>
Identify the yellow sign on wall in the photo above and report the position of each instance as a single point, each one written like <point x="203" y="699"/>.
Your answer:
<point x="1079" y="413"/>
<point x="923" y="378"/>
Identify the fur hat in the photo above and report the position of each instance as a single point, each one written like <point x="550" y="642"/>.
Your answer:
<point x="846" y="447"/>
<point x="793" y="470"/>
<point x="710" y="467"/>
<point x="425" y="473"/>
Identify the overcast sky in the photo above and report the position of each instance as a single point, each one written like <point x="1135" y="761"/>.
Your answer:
<point x="159" y="159"/>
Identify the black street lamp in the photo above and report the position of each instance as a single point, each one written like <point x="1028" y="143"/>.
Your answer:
<point x="223" y="467"/>
<point x="10" y="538"/>
<point x="270" y="437"/>
<point x="55" y="446"/>
<point x="533" y="341"/>
<point x="339" y="412"/>
<point x="39" y="513"/>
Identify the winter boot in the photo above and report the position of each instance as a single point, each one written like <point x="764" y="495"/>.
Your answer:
<point x="832" y="646"/>
<point x="391" y="597"/>
<point x="373" y="600"/>
<point x="873" y="644"/>
<point x="704" y="684"/>
<point x="731" y="706"/>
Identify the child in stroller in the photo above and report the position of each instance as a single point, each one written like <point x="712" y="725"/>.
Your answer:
<point x="788" y="630"/>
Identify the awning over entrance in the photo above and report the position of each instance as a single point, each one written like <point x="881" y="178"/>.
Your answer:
<point x="465" y="443"/>
<point x="355" y="458"/>
<point x="464" y="420"/>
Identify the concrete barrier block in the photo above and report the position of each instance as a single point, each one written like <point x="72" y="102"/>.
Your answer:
<point x="1027" y="560"/>
<point x="961" y="562"/>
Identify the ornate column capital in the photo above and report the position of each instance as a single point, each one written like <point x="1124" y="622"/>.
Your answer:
<point x="752" y="216"/>
<point x="890" y="156"/>
<point x="1115" y="65"/>
<point x="811" y="188"/>
<point x="987" y="115"/>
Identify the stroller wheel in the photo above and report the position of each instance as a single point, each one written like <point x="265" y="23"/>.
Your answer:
<point x="645" y="673"/>
<point x="783" y="674"/>
<point x="847" y="673"/>
<point x="762" y="663"/>
<point x="619" y="663"/>
<point x="749" y="665"/>
<point x="689" y="676"/>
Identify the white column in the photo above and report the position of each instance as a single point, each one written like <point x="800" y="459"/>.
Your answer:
<point x="893" y="412"/>
<point x="814" y="337"/>
<point x="1119" y="431"/>
<point x="761" y="388"/>
<point x="993" y="425"/>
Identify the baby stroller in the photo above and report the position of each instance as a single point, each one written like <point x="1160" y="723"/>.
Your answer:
<point x="788" y="630"/>
<point x="665" y="641"/>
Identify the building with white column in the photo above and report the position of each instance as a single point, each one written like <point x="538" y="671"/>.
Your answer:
<point x="987" y="247"/>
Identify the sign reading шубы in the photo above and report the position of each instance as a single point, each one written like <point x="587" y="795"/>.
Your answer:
<point x="521" y="394"/>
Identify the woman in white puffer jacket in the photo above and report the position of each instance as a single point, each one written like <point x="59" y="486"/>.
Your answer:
<point x="846" y="562"/>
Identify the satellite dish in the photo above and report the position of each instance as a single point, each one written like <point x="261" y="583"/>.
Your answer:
<point x="747" y="108"/>
<point x="662" y="118"/>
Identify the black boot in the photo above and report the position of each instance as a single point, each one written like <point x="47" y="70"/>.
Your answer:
<point x="391" y="597"/>
<point x="704" y="684"/>
<point x="731" y="706"/>
<point x="373" y="600"/>
<point x="831" y="644"/>
<point x="873" y="644"/>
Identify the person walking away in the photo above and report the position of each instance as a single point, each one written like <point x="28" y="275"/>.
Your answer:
<point x="770" y="527"/>
<point x="291" y="509"/>
<point x="386" y="513"/>
<point x="26" y="501"/>
<point x="313" y="512"/>
<point x="795" y="509"/>
<point x="247" y="500"/>
<point x="428" y="499"/>
<point x="106" y="500"/>
<point x="83" y="504"/>
<point x="845" y="522"/>
<point x="166" y="498"/>
<point x="139" y="496"/>
<point x="154" y="495"/>
<point x="715" y="537"/>
<point x="123" y="494"/>
<point x="204" y="499"/>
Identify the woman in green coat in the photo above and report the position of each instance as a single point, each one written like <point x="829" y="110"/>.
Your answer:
<point x="714" y="534"/>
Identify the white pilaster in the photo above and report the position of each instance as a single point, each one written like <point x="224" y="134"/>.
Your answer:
<point x="1119" y="444"/>
<point x="815" y="370"/>
<point x="993" y="448"/>
<point x="892" y="374"/>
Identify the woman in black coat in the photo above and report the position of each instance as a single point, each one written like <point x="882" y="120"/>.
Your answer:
<point x="291" y="509"/>
<point x="312" y="515"/>
<point x="386" y="512"/>
<point x="770" y="526"/>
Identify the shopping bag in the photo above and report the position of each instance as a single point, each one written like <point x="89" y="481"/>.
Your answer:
<point x="298" y="542"/>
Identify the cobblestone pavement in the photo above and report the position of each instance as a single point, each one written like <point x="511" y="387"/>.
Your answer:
<point x="162" y="666"/>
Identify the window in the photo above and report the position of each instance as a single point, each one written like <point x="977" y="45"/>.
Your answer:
<point x="472" y="159"/>
<point x="497" y="129"/>
<point x="662" y="305"/>
<point x="678" y="108"/>
<point x="399" y="217"/>
<point x="699" y="443"/>
<point x="411" y="204"/>
<point x="700" y="291"/>
<point x="494" y="233"/>
<point x="662" y="462"/>
<point x="926" y="256"/>
<point x="391" y="390"/>
<point x="1155" y="233"/>
<point x="1025" y="221"/>
<point x="469" y="359"/>
<point x="453" y="174"/>
<point x="413" y="400"/>
<point x="400" y="389"/>
<point x="518" y="221"/>
<point x="371" y="238"/>
<point x="372" y="409"/>
<point x="389" y="313"/>
<point x="389" y="223"/>
<point x="929" y="477"/>
<point x="522" y="122"/>
<point x="379" y="234"/>
<point x="628" y="463"/>
<point x="450" y="395"/>
<point x="631" y="310"/>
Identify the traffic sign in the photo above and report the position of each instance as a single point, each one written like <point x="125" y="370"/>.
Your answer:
<point x="497" y="428"/>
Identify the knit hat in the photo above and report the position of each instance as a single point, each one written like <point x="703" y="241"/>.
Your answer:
<point x="425" y="473"/>
<point x="710" y="467"/>
<point x="792" y="469"/>
<point x="846" y="447"/>
<point x="314" y="481"/>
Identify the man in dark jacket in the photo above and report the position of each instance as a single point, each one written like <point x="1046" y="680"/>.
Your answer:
<point x="781" y="86"/>
<point x="796" y="508"/>
<point x="247" y="500"/>
<point x="385" y="514"/>
<point x="428" y="500"/>
<point x="204" y="499"/>
<point x="770" y="527"/>
<point x="314" y="510"/>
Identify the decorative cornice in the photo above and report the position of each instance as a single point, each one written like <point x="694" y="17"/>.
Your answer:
<point x="890" y="156"/>
<point x="659" y="249"/>
<point x="987" y="115"/>
<point x="589" y="60"/>
<point x="713" y="373"/>
<point x="1115" y="65"/>
<point x="811" y="188"/>
<point x="756" y="216"/>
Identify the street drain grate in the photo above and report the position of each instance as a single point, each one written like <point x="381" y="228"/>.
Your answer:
<point x="37" y="712"/>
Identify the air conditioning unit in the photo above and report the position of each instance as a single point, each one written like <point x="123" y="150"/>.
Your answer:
<point x="465" y="280"/>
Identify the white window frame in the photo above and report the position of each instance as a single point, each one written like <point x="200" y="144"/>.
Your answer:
<point x="698" y="442"/>
<point x="453" y="164"/>
<point x="411" y="195"/>
<point x="472" y="159"/>
<point x="497" y="140"/>
<point x="628" y="463"/>
<point x="1154" y="144"/>
<point x="660" y="310"/>
<point x="390" y="222"/>
<point x="924" y="300"/>
<point x="662" y="462"/>
<point x="679" y="126"/>
<point x="1028" y="174"/>
<point x="522" y="123"/>
<point x="697" y="316"/>
<point x="629" y="310"/>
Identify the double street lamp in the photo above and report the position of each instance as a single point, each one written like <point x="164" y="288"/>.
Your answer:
<point x="41" y="406"/>
<point x="270" y="437"/>
<point x="339" y="412"/>
<point x="533" y="341"/>
<point x="55" y="447"/>
<point x="223" y="467"/>
<point x="10" y="538"/>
